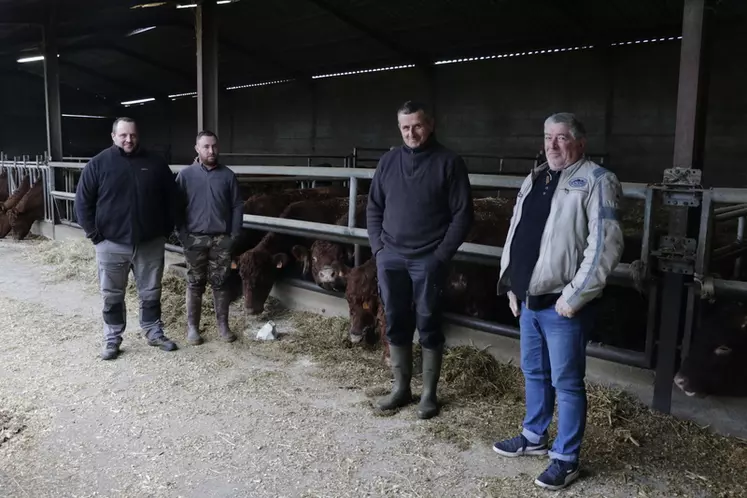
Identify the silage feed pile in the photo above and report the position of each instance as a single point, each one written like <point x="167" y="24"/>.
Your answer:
<point x="625" y="443"/>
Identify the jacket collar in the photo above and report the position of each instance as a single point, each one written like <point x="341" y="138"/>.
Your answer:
<point x="205" y="168"/>
<point x="564" y="174"/>
<point x="139" y="151"/>
<point x="429" y="144"/>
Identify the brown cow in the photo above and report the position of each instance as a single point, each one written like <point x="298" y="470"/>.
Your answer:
<point x="28" y="210"/>
<point x="328" y="262"/>
<point x="10" y="203"/>
<point x="4" y="224"/>
<point x="274" y="204"/>
<point x="715" y="364"/>
<point x="4" y="192"/>
<point x="260" y="266"/>
<point x="16" y="197"/>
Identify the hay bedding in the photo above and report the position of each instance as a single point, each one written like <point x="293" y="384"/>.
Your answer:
<point x="482" y="399"/>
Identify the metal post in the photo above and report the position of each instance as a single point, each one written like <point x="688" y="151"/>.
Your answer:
<point x="206" y="29"/>
<point x="688" y="148"/>
<point x="740" y="240"/>
<point x="351" y="217"/>
<point x="52" y="87"/>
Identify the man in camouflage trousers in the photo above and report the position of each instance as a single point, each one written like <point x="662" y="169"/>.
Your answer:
<point x="210" y="222"/>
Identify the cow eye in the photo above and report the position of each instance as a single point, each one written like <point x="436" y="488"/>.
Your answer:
<point x="722" y="350"/>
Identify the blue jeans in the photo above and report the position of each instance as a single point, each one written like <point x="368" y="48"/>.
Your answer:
<point x="553" y="360"/>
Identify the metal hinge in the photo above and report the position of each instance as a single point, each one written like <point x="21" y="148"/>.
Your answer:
<point x="676" y="254"/>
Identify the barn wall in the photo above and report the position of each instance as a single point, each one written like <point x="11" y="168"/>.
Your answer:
<point x="626" y="96"/>
<point x="23" y="128"/>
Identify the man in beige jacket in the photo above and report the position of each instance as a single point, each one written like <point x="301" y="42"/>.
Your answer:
<point x="563" y="241"/>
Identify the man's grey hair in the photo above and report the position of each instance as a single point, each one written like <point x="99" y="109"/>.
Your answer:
<point x="411" y="107"/>
<point x="576" y="127"/>
<point x="119" y="120"/>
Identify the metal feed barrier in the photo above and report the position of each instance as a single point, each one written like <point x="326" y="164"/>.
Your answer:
<point x="658" y="257"/>
<point x="37" y="170"/>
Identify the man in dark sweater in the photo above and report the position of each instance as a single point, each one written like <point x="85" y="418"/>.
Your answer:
<point x="419" y="213"/>
<point x="208" y="226"/>
<point x="125" y="203"/>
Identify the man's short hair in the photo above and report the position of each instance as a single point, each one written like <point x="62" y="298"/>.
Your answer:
<point x="576" y="127"/>
<point x="411" y="107"/>
<point x="122" y="119"/>
<point x="205" y="133"/>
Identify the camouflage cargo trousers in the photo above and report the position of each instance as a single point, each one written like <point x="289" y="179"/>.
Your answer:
<point x="208" y="259"/>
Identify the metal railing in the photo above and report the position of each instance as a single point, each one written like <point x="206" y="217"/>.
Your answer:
<point x="470" y="252"/>
<point x="36" y="170"/>
<point x="369" y="157"/>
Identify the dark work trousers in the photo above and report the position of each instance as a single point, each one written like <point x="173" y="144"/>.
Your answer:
<point x="407" y="283"/>
<point x="115" y="261"/>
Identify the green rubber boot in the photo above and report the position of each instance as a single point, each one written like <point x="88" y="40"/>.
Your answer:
<point x="401" y="395"/>
<point x="428" y="406"/>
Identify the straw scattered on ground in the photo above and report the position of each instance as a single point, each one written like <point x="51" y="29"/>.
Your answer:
<point x="625" y="442"/>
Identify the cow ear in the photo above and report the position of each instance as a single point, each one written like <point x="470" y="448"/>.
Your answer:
<point x="300" y="253"/>
<point x="280" y="259"/>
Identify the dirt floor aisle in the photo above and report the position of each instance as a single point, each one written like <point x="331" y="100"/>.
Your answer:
<point x="208" y="421"/>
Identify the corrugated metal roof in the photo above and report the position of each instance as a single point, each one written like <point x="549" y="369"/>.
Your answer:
<point x="278" y="39"/>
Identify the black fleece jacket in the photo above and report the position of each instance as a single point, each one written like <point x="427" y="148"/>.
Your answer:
<point x="124" y="198"/>
<point x="420" y="202"/>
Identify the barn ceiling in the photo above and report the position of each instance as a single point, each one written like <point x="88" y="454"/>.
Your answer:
<point x="106" y="49"/>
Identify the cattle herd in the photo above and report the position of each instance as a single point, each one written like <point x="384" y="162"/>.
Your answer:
<point x="21" y="208"/>
<point x="262" y="258"/>
<point x="714" y="365"/>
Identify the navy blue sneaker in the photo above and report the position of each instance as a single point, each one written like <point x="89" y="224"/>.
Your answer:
<point x="558" y="475"/>
<point x="520" y="446"/>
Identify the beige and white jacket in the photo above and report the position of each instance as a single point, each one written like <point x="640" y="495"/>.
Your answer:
<point x="582" y="241"/>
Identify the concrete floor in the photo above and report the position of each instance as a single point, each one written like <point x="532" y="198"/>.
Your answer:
<point x="726" y="416"/>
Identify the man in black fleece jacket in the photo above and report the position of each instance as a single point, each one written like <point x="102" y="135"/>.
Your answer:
<point x="419" y="213"/>
<point x="125" y="202"/>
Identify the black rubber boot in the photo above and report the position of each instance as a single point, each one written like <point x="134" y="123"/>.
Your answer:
<point x="222" y="299"/>
<point x="401" y="395"/>
<point x="194" y="312"/>
<point x="428" y="406"/>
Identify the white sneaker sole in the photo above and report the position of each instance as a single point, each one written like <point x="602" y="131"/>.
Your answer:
<point x="523" y="453"/>
<point x="568" y="480"/>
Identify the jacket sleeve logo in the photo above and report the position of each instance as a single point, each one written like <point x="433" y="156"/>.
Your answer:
<point x="577" y="182"/>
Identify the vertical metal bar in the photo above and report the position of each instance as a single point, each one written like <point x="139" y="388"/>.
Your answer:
<point x="52" y="85"/>
<point x="206" y="29"/>
<point x="351" y="217"/>
<point x="648" y="230"/>
<point x="651" y="323"/>
<point x="688" y="148"/>
<point x="740" y="240"/>
<point x="691" y="91"/>
<point x="704" y="234"/>
<point x="690" y="317"/>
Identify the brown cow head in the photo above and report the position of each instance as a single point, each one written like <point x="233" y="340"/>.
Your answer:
<point x="259" y="270"/>
<point x="327" y="262"/>
<point x="715" y="362"/>
<point x="362" y="294"/>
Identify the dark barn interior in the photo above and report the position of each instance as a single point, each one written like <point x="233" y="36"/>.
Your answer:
<point x="492" y="69"/>
<point x="658" y="84"/>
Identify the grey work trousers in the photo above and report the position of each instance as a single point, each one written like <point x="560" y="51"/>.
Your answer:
<point x="146" y="260"/>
